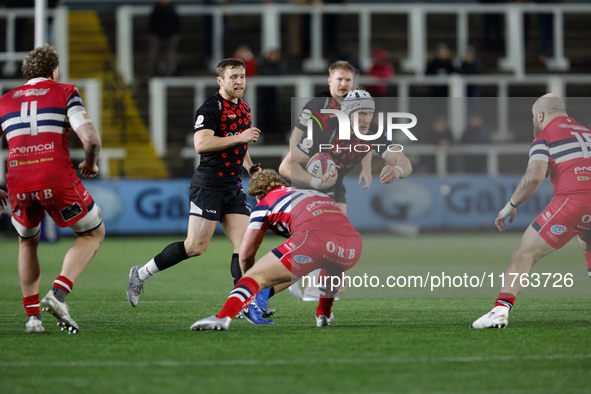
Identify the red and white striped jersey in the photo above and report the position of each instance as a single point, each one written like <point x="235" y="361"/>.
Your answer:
<point x="566" y="146"/>
<point x="286" y="210"/>
<point x="36" y="120"/>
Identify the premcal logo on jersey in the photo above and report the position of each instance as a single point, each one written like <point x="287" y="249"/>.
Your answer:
<point x="22" y="150"/>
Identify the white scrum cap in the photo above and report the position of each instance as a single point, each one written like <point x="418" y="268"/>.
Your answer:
<point x="357" y="100"/>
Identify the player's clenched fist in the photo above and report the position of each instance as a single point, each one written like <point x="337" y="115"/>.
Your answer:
<point x="250" y="135"/>
<point x="87" y="170"/>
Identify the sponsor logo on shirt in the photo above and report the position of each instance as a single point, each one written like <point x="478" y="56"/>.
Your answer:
<point x="572" y="126"/>
<point x="13" y="163"/>
<point x="582" y="169"/>
<point x="302" y="259"/>
<point x="558" y="229"/>
<point x="31" y="149"/>
<point x="199" y="121"/>
<point x="30" y="92"/>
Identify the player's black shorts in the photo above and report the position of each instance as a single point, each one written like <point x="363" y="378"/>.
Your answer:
<point x="213" y="205"/>
<point x="337" y="192"/>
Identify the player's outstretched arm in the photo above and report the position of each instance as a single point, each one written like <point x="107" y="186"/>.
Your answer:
<point x="365" y="173"/>
<point x="92" y="146"/>
<point x="398" y="166"/>
<point x="250" y="245"/>
<point x="529" y="184"/>
<point x="206" y="142"/>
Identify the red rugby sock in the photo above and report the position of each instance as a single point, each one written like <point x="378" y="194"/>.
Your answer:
<point x="324" y="307"/>
<point x="31" y="304"/>
<point x="240" y="297"/>
<point x="505" y="299"/>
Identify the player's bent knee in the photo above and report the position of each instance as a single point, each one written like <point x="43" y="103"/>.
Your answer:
<point x="195" y="249"/>
<point x="90" y="222"/>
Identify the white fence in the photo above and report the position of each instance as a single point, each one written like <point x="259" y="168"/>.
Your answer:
<point x="304" y="87"/>
<point x="417" y="30"/>
<point x="491" y="151"/>
<point x="60" y="38"/>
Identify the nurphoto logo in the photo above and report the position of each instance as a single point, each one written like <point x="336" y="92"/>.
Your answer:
<point x="345" y="129"/>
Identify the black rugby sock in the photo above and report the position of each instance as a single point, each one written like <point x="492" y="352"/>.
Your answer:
<point x="235" y="269"/>
<point x="171" y="255"/>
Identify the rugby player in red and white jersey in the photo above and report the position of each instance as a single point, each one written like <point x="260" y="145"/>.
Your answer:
<point x="36" y="119"/>
<point x="320" y="236"/>
<point x="561" y="149"/>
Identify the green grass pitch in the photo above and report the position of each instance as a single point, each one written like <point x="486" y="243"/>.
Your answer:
<point x="402" y="345"/>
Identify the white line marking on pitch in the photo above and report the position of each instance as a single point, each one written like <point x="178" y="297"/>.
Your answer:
<point x="205" y="363"/>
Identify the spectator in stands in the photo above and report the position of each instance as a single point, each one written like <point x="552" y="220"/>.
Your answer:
<point x="268" y="100"/>
<point x="492" y="28"/>
<point x="476" y="133"/>
<point x="439" y="134"/>
<point x="546" y="27"/>
<point x="471" y="65"/>
<point x="382" y="69"/>
<point x="164" y="37"/>
<point x="346" y="54"/>
<point x="440" y="65"/>
<point x="244" y="53"/>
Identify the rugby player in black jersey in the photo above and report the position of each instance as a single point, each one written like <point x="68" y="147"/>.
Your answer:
<point x="223" y="129"/>
<point x="346" y="154"/>
<point x="341" y="78"/>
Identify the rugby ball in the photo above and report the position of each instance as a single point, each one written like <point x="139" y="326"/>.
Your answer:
<point x="320" y="164"/>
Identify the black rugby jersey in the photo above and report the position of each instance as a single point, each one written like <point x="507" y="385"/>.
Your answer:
<point x="346" y="154"/>
<point x="323" y="100"/>
<point x="221" y="170"/>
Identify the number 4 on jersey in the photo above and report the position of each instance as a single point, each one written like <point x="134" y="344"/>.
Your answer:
<point x="30" y="117"/>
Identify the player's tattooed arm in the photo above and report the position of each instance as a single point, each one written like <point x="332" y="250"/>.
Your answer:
<point x="531" y="181"/>
<point x="3" y="200"/>
<point x="92" y="146"/>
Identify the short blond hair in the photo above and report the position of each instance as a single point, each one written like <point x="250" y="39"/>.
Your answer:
<point x="341" y="65"/>
<point x="263" y="182"/>
<point x="40" y="62"/>
<point x="228" y="63"/>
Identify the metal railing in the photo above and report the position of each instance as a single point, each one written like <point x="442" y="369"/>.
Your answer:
<point x="60" y="38"/>
<point x="490" y="151"/>
<point x="270" y="36"/>
<point x="304" y="87"/>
